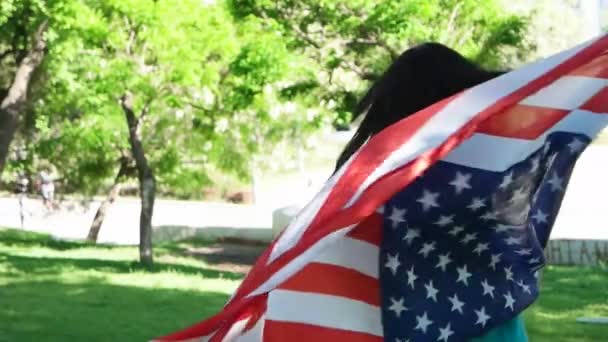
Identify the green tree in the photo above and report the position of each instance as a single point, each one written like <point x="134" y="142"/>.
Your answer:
<point x="23" y="26"/>
<point x="192" y="85"/>
<point x="546" y="29"/>
<point x="140" y="61"/>
<point x="265" y="102"/>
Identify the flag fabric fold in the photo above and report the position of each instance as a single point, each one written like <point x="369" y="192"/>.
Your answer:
<point x="435" y="228"/>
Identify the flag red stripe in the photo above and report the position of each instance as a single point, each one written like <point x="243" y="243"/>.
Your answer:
<point x="598" y="103"/>
<point x="294" y="332"/>
<point x="372" y="155"/>
<point x="369" y="230"/>
<point x="598" y="67"/>
<point x="522" y="122"/>
<point x="335" y="280"/>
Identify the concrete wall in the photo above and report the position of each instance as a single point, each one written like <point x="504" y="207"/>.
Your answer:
<point x="172" y="220"/>
<point x="577" y="252"/>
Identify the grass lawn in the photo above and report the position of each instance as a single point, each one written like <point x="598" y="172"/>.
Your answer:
<point x="63" y="291"/>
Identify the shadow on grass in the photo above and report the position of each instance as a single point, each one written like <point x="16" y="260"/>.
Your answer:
<point x="96" y="311"/>
<point x="20" y="238"/>
<point x="241" y="253"/>
<point x="49" y="266"/>
<point x="230" y="254"/>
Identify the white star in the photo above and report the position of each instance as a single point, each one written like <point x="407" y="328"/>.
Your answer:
<point x="444" y="260"/>
<point x="468" y="238"/>
<point x="461" y="182"/>
<point x="422" y="322"/>
<point x="428" y="200"/>
<point x="427" y="248"/>
<point x="411" y="235"/>
<point x="456" y="230"/>
<point x="519" y="195"/>
<point x="482" y="317"/>
<point x="557" y="183"/>
<point x="431" y="291"/>
<point x="509" y="301"/>
<point x="393" y="263"/>
<point x="501" y="228"/>
<point x="480" y="248"/>
<point x="509" y="273"/>
<point x="508" y="179"/>
<point x="456" y="303"/>
<point x="524" y="287"/>
<point x="524" y="251"/>
<point x="477" y="203"/>
<point x="534" y="261"/>
<point x="397" y="216"/>
<point x="576" y="145"/>
<point x="540" y="217"/>
<point x="411" y="277"/>
<point x="463" y="275"/>
<point x="495" y="260"/>
<point x="535" y="164"/>
<point x="397" y="307"/>
<point x="444" y="220"/>
<point x="487" y="288"/>
<point x="445" y="333"/>
<point x="512" y="240"/>
<point x="490" y="215"/>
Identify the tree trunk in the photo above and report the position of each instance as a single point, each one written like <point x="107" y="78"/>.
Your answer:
<point x="12" y="105"/>
<point x="147" y="182"/>
<point x="100" y="215"/>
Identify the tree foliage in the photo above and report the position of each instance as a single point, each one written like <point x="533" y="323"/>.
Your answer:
<point x="226" y="85"/>
<point x="352" y="42"/>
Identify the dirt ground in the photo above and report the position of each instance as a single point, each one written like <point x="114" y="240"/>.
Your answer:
<point x="229" y="256"/>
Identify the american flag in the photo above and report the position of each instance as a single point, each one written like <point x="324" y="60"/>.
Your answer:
<point x="435" y="229"/>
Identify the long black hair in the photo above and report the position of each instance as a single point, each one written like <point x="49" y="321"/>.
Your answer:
<point x="419" y="77"/>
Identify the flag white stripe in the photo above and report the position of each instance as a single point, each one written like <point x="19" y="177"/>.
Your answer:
<point x="296" y="228"/>
<point x="255" y="334"/>
<point x="297" y="263"/>
<point x="460" y="111"/>
<point x="480" y="150"/>
<point x="568" y="92"/>
<point x="324" y="310"/>
<point x="341" y="254"/>
<point x="235" y="330"/>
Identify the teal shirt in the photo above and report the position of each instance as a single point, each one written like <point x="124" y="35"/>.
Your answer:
<point x="512" y="331"/>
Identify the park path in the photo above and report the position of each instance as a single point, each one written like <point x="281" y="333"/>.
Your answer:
<point x="228" y="256"/>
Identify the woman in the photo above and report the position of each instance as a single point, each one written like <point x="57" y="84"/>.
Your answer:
<point x="420" y="77"/>
<point x="47" y="188"/>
